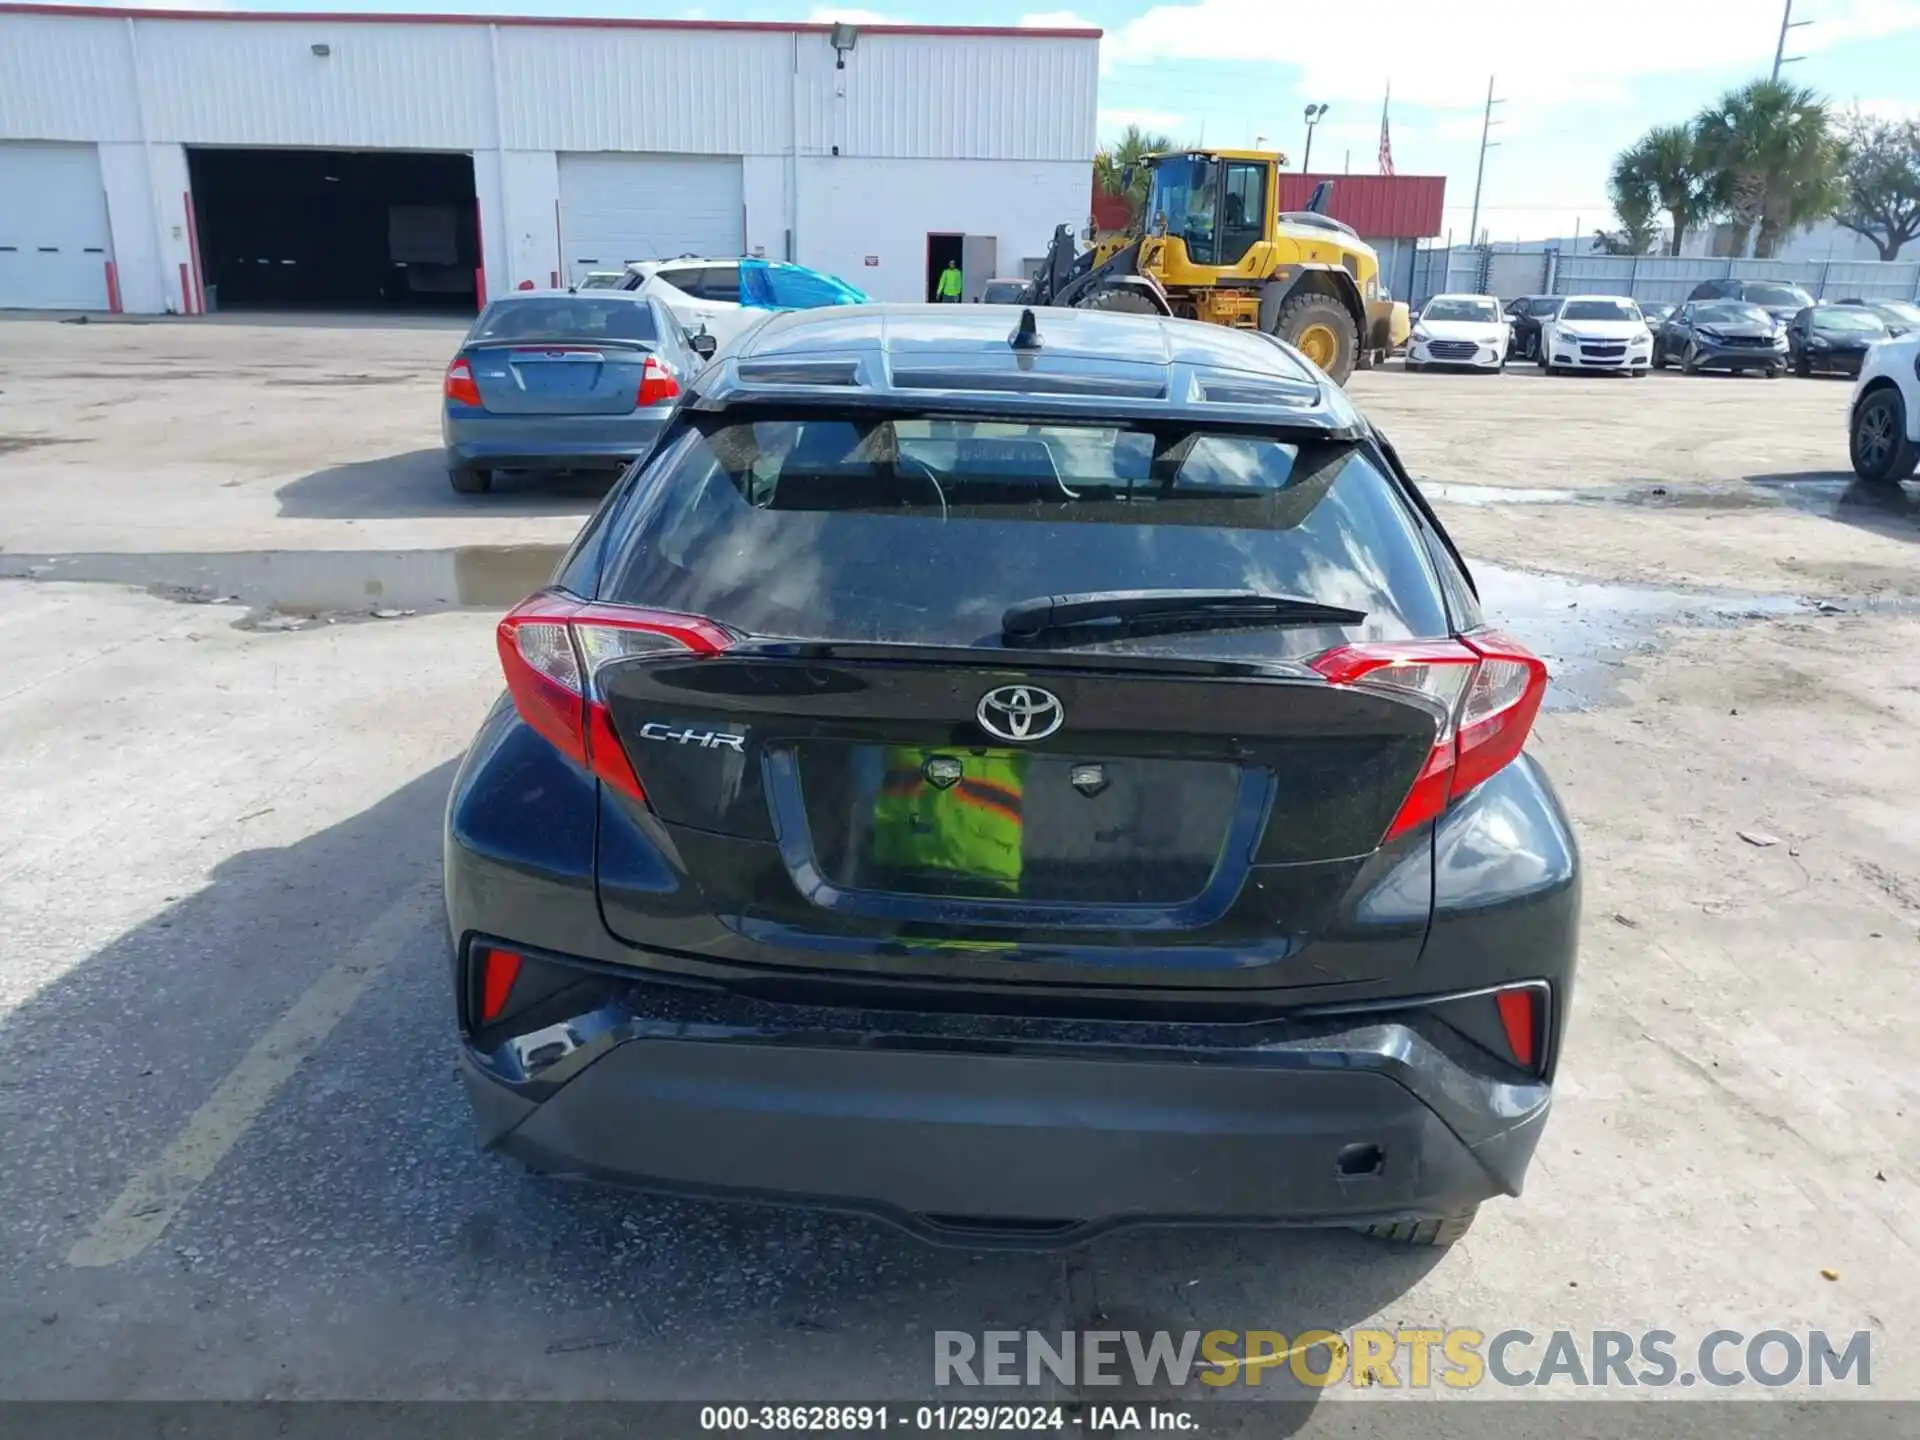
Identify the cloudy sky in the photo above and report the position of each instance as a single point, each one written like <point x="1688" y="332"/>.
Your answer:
<point x="1578" y="81"/>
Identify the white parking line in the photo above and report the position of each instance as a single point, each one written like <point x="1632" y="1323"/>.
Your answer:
<point x="154" y="1196"/>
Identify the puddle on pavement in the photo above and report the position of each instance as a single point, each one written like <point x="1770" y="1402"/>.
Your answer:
<point x="1453" y="494"/>
<point x="279" y="587"/>
<point x="1836" y="496"/>
<point x="1584" y="629"/>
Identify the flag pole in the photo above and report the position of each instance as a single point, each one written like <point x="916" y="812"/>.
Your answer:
<point x="1384" y="163"/>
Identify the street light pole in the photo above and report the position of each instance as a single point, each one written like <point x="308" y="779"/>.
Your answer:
<point x="1480" y="173"/>
<point x="1315" y="113"/>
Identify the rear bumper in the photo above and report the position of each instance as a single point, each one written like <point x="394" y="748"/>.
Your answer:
<point x="549" y="442"/>
<point x="998" y="1128"/>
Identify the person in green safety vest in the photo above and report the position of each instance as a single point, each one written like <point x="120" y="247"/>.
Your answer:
<point x="947" y="291"/>
<point x="969" y="830"/>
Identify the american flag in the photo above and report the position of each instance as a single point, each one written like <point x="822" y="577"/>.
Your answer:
<point x="1386" y="139"/>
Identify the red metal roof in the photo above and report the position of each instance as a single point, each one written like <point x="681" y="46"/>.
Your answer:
<point x="114" y="12"/>
<point x="1380" y="207"/>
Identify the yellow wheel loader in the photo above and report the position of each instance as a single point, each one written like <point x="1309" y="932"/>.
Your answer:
<point x="1217" y="248"/>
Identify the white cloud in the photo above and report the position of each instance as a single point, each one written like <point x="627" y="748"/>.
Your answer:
<point x="846" y="15"/>
<point x="1165" y="121"/>
<point x="1441" y="55"/>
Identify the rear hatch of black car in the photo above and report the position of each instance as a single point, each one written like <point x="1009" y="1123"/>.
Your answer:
<point x="864" y="762"/>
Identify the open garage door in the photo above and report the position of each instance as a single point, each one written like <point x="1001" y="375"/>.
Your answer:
<point x="54" y="240"/>
<point x="364" y="230"/>
<point x="617" y="208"/>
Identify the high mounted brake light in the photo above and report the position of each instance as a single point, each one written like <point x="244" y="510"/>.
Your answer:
<point x="1488" y="687"/>
<point x="552" y="647"/>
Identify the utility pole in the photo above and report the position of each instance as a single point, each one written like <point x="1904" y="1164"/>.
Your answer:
<point x="1787" y="22"/>
<point x="1480" y="173"/>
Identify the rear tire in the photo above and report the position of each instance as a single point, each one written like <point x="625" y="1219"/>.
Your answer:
<point x="1877" y="440"/>
<point x="1310" y="312"/>
<point x="1434" y="1234"/>
<point x="466" y="480"/>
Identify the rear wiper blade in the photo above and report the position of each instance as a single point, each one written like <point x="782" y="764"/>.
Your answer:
<point x="1131" y="611"/>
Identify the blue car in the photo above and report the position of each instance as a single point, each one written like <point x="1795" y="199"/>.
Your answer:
<point x="551" y="381"/>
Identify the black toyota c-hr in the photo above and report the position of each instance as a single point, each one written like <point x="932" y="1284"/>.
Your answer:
<point x="1016" y="782"/>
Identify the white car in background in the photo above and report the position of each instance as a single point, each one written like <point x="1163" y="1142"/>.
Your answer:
<point x="1596" y="332"/>
<point x="1884" y="426"/>
<point x="1460" y="330"/>
<point x="723" y="297"/>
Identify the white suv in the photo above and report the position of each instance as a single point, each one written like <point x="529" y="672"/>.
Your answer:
<point x="1884" y="438"/>
<point x="1596" y="332"/>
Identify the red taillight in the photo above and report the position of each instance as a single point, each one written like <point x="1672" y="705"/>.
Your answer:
<point x="657" y="382"/>
<point x="460" y="384"/>
<point x="1523" y="1015"/>
<point x="1488" y="688"/>
<point x="552" y="646"/>
<point x="498" y="970"/>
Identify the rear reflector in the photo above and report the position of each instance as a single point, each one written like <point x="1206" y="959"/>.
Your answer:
<point x="551" y="647"/>
<point x="658" y="383"/>
<point x="1523" y="1015"/>
<point x="459" y="385"/>
<point x="1487" y="689"/>
<point x="498" y="970"/>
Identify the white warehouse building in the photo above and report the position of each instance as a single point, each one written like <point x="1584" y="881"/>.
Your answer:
<point x="157" y="161"/>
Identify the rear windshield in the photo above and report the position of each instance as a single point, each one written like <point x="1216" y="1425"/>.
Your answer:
<point x="1544" y="306"/>
<point x="567" y="317"/>
<point x="1600" y="310"/>
<point x="1486" y="310"/>
<point x="1778" y="295"/>
<point x="1843" y="317"/>
<point x="926" y="529"/>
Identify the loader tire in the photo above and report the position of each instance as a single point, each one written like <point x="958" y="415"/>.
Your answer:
<point x="1319" y="327"/>
<point x="1117" y="300"/>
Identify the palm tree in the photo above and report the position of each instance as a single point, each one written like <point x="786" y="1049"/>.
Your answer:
<point x="1111" y="164"/>
<point x="1633" y="205"/>
<point x="1776" y="144"/>
<point x="1668" y="162"/>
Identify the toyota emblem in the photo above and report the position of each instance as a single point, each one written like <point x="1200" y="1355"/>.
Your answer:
<point x="1020" y="713"/>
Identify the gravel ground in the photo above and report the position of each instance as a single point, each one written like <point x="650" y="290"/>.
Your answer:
<point x="247" y="636"/>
